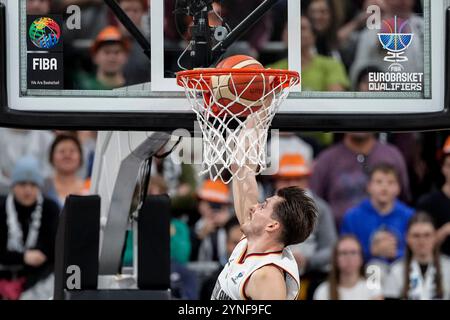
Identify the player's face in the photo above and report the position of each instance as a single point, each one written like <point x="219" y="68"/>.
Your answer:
<point x="259" y="217"/>
<point x="384" y="188"/>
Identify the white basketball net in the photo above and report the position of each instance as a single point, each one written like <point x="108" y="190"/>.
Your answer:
<point x="235" y="140"/>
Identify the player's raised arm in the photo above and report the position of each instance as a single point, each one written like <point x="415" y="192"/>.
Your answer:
<point x="245" y="195"/>
<point x="245" y="191"/>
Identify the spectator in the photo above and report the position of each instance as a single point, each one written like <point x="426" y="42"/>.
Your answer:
<point x="137" y="69"/>
<point x="319" y="73"/>
<point x="234" y="235"/>
<point x="347" y="277"/>
<point x="362" y="83"/>
<point x="15" y="144"/>
<point x="348" y="34"/>
<point x="291" y="143"/>
<point x="380" y="222"/>
<point x="343" y="184"/>
<point x="38" y="7"/>
<point x="28" y="224"/>
<point x="110" y="55"/>
<point x="214" y="208"/>
<point x="314" y="255"/>
<point x="170" y="170"/>
<point x="369" y="51"/>
<point x="429" y="272"/>
<point x="437" y="204"/>
<point x="66" y="157"/>
<point x="322" y="13"/>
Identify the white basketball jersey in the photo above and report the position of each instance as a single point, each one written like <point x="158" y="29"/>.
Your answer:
<point x="234" y="277"/>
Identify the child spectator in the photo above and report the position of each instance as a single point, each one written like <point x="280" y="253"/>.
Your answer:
<point x="28" y="224"/>
<point x="214" y="208"/>
<point x="380" y="222"/>
<point x="437" y="204"/>
<point x="314" y="255"/>
<point x="66" y="157"/>
<point x="347" y="277"/>
<point x="16" y="144"/>
<point x="110" y="55"/>
<point x="428" y="275"/>
<point x="343" y="184"/>
<point x="319" y="73"/>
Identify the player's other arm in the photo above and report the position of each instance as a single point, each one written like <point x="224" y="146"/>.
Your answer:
<point x="267" y="283"/>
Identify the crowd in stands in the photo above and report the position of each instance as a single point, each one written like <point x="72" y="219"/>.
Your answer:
<point x="338" y="49"/>
<point x="377" y="236"/>
<point x="383" y="200"/>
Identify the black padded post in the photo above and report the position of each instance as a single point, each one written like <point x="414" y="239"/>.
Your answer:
<point x="77" y="243"/>
<point x="154" y="244"/>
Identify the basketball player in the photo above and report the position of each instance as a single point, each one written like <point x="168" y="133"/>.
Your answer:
<point x="261" y="266"/>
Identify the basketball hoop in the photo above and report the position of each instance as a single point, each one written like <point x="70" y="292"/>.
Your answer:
<point x="235" y="109"/>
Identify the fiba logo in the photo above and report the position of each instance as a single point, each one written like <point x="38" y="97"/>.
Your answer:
<point x="395" y="37"/>
<point x="44" y="33"/>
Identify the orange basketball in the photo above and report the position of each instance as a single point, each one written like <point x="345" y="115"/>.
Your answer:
<point x="247" y="89"/>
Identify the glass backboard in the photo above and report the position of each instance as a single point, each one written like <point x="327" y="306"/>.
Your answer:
<point x="355" y="59"/>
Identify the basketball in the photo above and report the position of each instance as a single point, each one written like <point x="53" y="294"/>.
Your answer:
<point x="247" y="89"/>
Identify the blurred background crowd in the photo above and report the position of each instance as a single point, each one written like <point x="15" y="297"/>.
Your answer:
<point x="383" y="199"/>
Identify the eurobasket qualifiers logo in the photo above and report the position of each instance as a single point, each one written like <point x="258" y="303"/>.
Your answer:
<point x="45" y="33"/>
<point x="395" y="37"/>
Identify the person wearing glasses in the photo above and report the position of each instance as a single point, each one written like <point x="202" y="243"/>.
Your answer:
<point x="423" y="274"/>
<point x="347" y="280"/>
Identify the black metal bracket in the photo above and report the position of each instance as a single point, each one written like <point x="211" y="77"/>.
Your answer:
<point x="242" y="28"/>
<point x="203" y="55"/>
